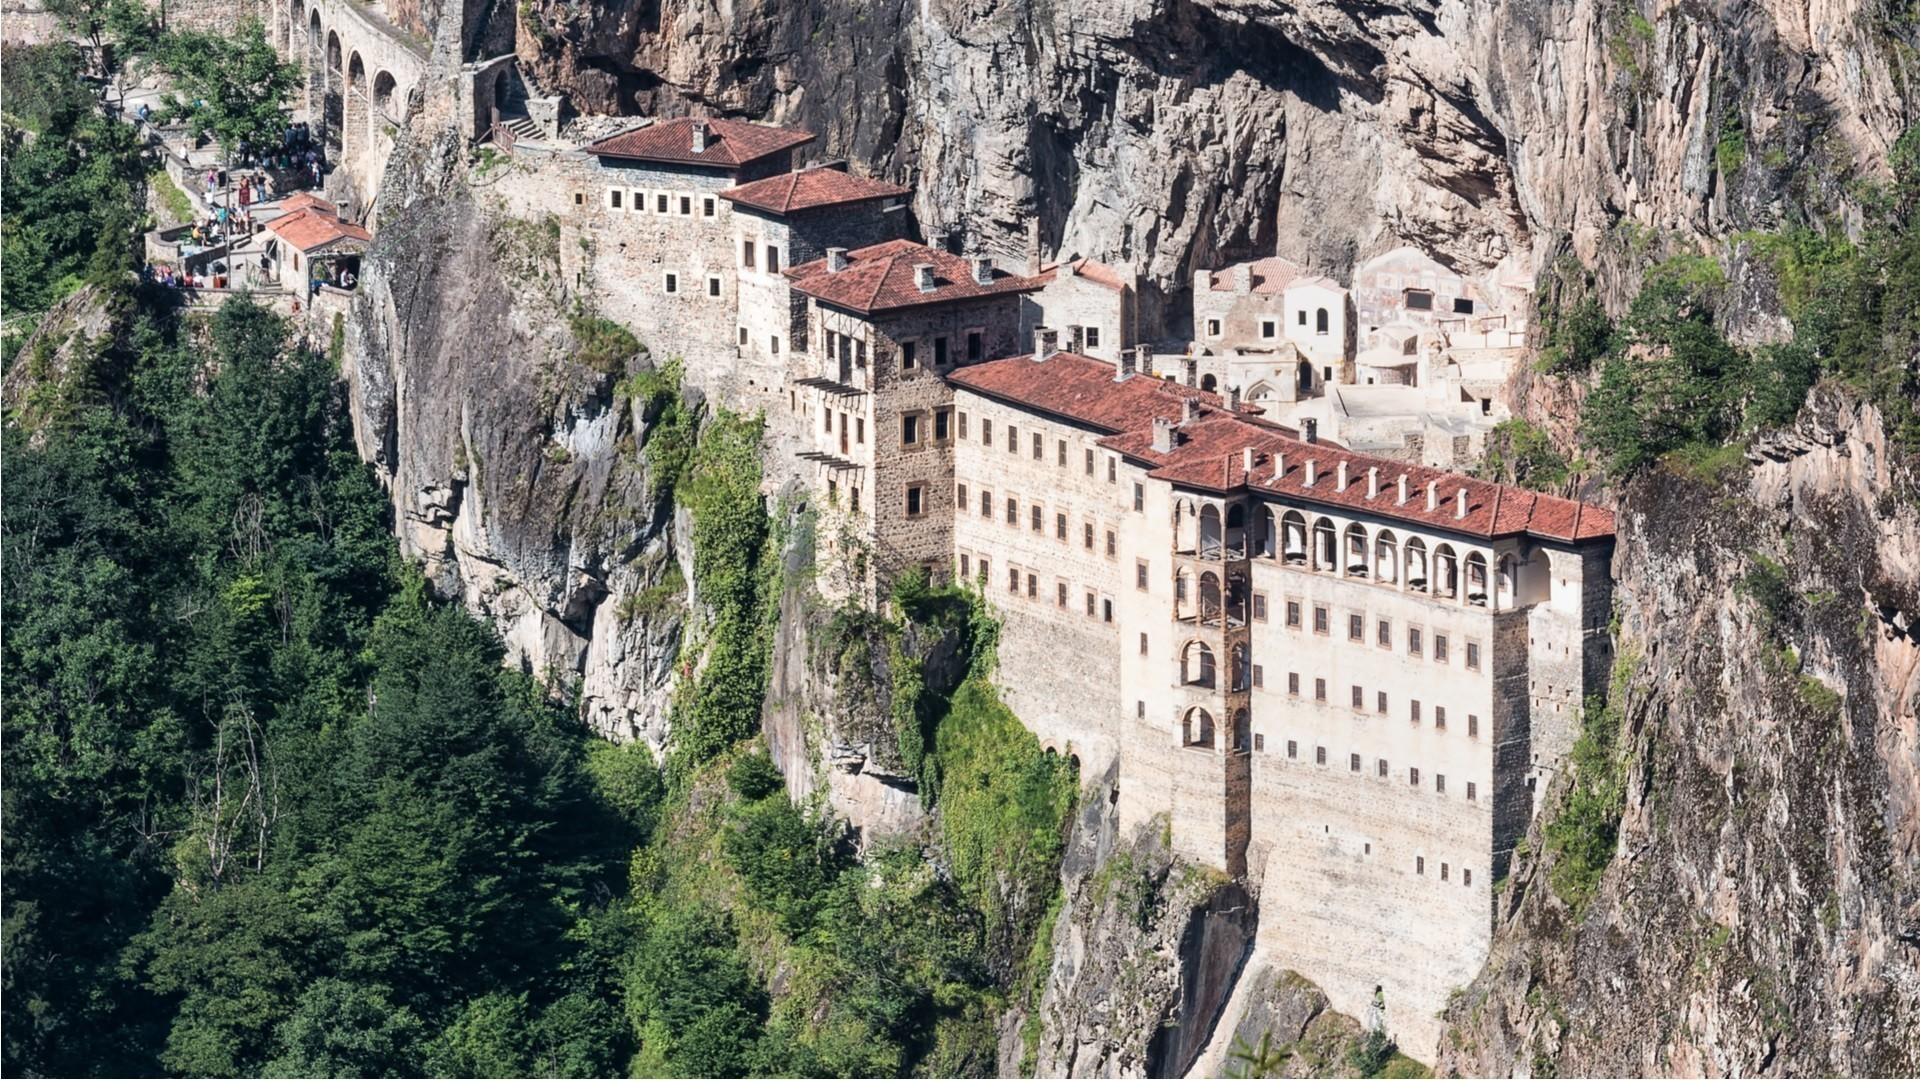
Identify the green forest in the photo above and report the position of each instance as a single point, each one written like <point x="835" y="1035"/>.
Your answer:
<point x="274" y="809"/>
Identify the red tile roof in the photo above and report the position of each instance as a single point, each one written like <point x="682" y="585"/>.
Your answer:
<point x="303" y="199"/>
<point x="880" y="278"/>
<point x="1270" y="275"/>
<point x="313" y="228"/>
<point x="1211" y="453"/>
<point x="1084" y="390"/>
<point x="811" y="190"/>
<point x="730" y="143"/>
<point x="1098" y="273"/>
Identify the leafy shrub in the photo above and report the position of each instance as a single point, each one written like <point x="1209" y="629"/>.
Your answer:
<point x="600" y="343"/>
<point x="753" y="777"/>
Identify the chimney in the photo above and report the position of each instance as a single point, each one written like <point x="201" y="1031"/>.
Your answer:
<point x="1279" y="465"/>
<point x="1046" y="342"/>
<point x="1164" y="437"/>
<point x="1247" y="462"/>
<point x="937" y="239"/>
<point x="1342" y="485"/>
<point x="1313" y="429"/>
<point x="1126" y="368"/>
<point x="1077" y="339"/>
<point x="1190" y="371"/>
<point x="1233" y="398"/>
<point x="1403" y="490"/>
<point x="1313" y="473"/>
<point x="923" y="276"/>
<point x="1033" y="246"/>
<point x="1373" y="482"/>
<point x="1460" y="503"/>
<point x="1143" y="359"/>
<point x="1189" y="410"/>
<point x="836" y="260"/>
<point x="1243" y="279"/>
<point x="1433" y="495"/>
<point x="982" y="270"/>
<point x="699" y="136"/>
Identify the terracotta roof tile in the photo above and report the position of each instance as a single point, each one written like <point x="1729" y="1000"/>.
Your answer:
<point x="810" y="190"/>
<point x="304" y="199"/>
<point x="312" y="228"/>
<point x="730" y="143"/>
<point x="1096" y="272"/>
<point x="880" y="278"/>
<point x="1211" y="453"/>
<point x="1271" y="275"/>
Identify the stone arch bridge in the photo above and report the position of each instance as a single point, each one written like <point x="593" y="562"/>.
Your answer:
<point x="362" y="69"/>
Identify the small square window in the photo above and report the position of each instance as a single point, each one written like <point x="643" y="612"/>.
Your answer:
<point x="713" y="285"/>
<point x="614" y="197"/>
<point x="1213" y="327"/>
<point x="1093" y="337"/>
<point x="708" y="207"/>
<point x="916" y="495"/>
<point x="673" y="283"/>
<point x="579" y="198"/>
<point x="1266" y="328"/>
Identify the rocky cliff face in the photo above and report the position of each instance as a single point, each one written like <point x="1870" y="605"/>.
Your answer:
<point x="1168" y="133"/>
<point x="1762" y="915"/>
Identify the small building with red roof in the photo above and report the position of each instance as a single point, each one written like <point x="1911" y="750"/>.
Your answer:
<point x="309" y="237"/>
<point x="1093" y="305"/>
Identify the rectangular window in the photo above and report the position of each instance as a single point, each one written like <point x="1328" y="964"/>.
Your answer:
<point x="1413" y="777"/>
<point x="853" y="499"/>
<point x="1293" y="683"/>
<point x="673" y="283"/>
<point x="1039" y="446"/>
<point x="773" y="344"/>
<point x="942" y="425"/>
<point x="1359" y="698"/>
<point x="773" y="259"/>
<point x="1439" y="718"/>
<point x="909" y="429"/>
<point x="1293" y="614"/>
<point x="746" y="254"/>
<point x="1060" y="527"/>
<point x="1440" y="783"/>
<point x="1466" y="878"/>
<point x="686" y="205"/>
<point x="1473" y="726"/>
<point x="1013" y="439"/>
<point x="1139" y="498"/>
<point x="1266" y="328"/>
<point x="963" y="425"/>
<point x="985" y="573"/>
<point x="986" y="504"/>
<point x="1013" y="580"/>
<point x="1413" y="641"/>
<point x="986" y="432"/>
<point x="1356" y="628"/>
<point x="1090" y="599"/>
<point x="1060" y="453"/>
<point x="1033" y="586"/>
<point x="1140" y="574"/>
<point x="860" y="353"/>
<point x="960" y="499"/>
<point x="976" y="346"/>
<point x="1419" y="864"/>
<point x="860" y="430"/>
<point x="1413" y="712"/>
<point x="1419" y="300"/>
<point x="1473" y="792"/>
<point x="1473" y="656"/>
<point x="1113" y="469"/>
<point x="1319" y="755"/>
<point x="939" y="352"/>
<point x="1380" y="702"/>
<point x="908" y="359"/>
<point x="1140" y="709"/>
<point x="713" y="285"/>
<point x="1113" y="544"/>
<point x="708" y="208"/>
<point x="1093" y="337"/>
<point x="1013" y="511"/>
<point x="1462" y="306"/>
<point x="1106" y="611"/>
<point x="1319" y="689"/>
<point x="1353" y="762"/>
<point x="1380" y="768"/>
<point x="1259" y="607"/>
<point x="1383" y="633"/>
<point x="915" y="493"/>
<point x="1060" y="594"/>
<point x="1213" y="327"/>
<point x="1440" y="648"/>
<point x="1293" y="749"/>
<point x="660" y="203"/>
<point x="1259" y="676"/>
<point x="1260" y="744"/>
<point x="1443" y="871"/>
<point x="1143" y="643"/>
<point x="966" y="566"/>
<point x="613" y="199"/>
<point x="743" y="335"/>
<point x="1087" y="540"/>
<point x="1038" y="519"/>
<point x="1089" y="462"/>
<point x="1319" y="619"/>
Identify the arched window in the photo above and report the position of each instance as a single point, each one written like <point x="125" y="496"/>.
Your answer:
<point x="1416" y="564"/>
<point x="1477" y="579"/>
<point x="1356" y="550"/>
<point x="1196" y="728"/>
<point x="1237" y="668"/>
<point x="1503" y="584"/>
<point x="1209" y="596"/>
<point x="1268" y="544"/>
<point x="1209" y="532"/>
<point x="1320" y="321"/>
<point x="1185" y="518"/>
<point x="1196" y="665"/>
<point x="1236" y="529"/>
<point x="1293" y="537"/>
<point x="1386" y="558"/>
<point x="1446" y="573"/>
<point x="1326" y="553"/>
<point x="1210" y="385"/>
